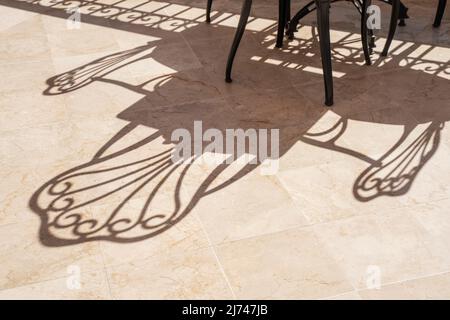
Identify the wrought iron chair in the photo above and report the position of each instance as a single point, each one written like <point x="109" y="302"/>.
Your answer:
<point x="324" y="34"/>
<point x="399" y="12"/>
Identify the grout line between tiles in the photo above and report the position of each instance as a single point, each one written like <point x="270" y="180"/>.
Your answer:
<point x="216" y="256"/>
<point x="408" y="279"/>
<point x="339" y="294"/>
<point x="105" y="270"/>
<point x="311" y="225"/>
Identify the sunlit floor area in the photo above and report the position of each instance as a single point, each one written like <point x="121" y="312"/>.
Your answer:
<point x="93" y="207"/>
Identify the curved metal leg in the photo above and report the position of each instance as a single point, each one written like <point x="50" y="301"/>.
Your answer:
<point x="293" y="23"/>
<point x="245" y="12"/>
<point x="208" y="11"/>
<point x="392" y="26"/>
<point x="403" y="15"/>
<point x="359" y="4"/>
<point x="323" y="22"/>
<point x="371" y="41"/>
<point x="288" y="10"/>
<point x="439" y="13"/>
<point x="403" y="12"/>
<point x="282" y="20"/>
<point x="364" y="31"/>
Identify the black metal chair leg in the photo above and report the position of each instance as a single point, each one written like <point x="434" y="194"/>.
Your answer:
<point x="403" y="12"/>
<point x="282" y="19"/>
<point x="293" y="23"/>
<point x="403" y="15"/>
<point x="323" y="22"/>
<point x="288" y="11"/>
<point x="245" y="12"/>
<point x="371" y="41"/>
<point x="364" y="31"/>
<point x="439" y="13"/>
<point x="208" y="11"/>
<point x="392" y="26"/>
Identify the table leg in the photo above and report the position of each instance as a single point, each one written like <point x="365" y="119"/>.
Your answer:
<point x="364" y="31"/>
<point x="245" y="12"/>
<point x="208" y="11"/>
<point x="288" y="10"/>
<point x="282" y="20"/>
<point x="392" y="26"/>
<point x="323" y="22"/>
<point x="439" y="13"/>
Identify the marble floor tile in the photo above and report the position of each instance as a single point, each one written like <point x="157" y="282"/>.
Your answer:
<point x="92" y="285"/>
<point x="255" y="206"/>
<point x="26" y="259"/>
<point x="175" y="275"/>
<point x="352" y="295"/>
<point x="434" y="287"/>
<point x="291" y="264"/>
<point x="388" y="246"/>
<point x="26" y="76"/>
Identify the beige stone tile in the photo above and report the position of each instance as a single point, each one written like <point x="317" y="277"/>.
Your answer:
<point x="318" y="144"/>
<point x="85" y="138"/>
<point x="251" y="206"/>
<point x="93" y="285"/>
<point x="292" y="264"/>
<point x="13" y="17"/>
<point x="302" y="154"/>
<point x="352" y="295"/>
<point x="72" y="42"/>
<point x="175" y="275"/>
<point x="17" y="187"/>
<point x="433" y="287"/>
<point x="431" y="183"/>
<point x="132" y="67"/>
<point x="385" y="247"/>
<point x="22" y="110"/>
<point x="22" y="24"/>
<point x="110" y="188"/>
<point x="387" y="125"/>
<point x="281" y="108"/>
<point x="309" y="187"/>
<point x="434" y="218"/>
<point x="19" y="49"/>
<point x="427" y="98"/>
<point x="257" y="66"/>
<point x="178" y="87"/>
<point x="56" y="25"/>
<point x="84" y="69"/>
<point x="163" y="58"/>
<point x="127" y="40"/>
<point x="130" y="196"/>
<point x="23" y="182"/>
<point x="97" y="100"/>
<point x="418" y="169"/>
<point x="26" y="259"/>
<point x="186" y="235"/>
<point x="25" y="77"/>
<point x="202" y="30"/>
<point x="360" y="92"/>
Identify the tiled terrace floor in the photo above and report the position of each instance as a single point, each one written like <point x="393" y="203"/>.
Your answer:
<point x="362" y="190"/>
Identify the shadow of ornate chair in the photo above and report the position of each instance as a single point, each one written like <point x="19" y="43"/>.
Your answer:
<point x="136" y="165"/>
